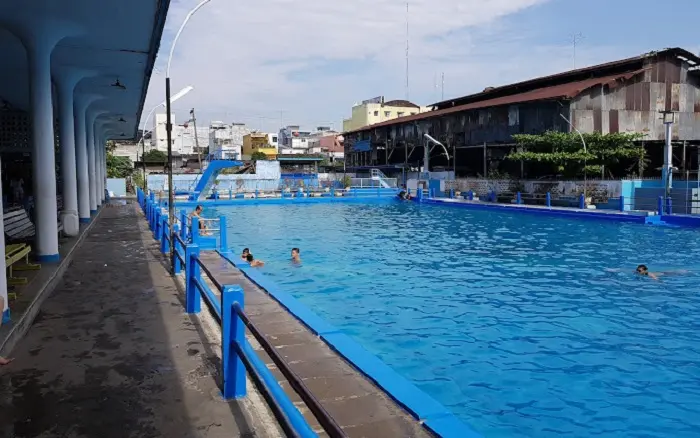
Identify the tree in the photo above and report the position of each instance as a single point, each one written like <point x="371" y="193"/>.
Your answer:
<point x="564" y="152"/>
<point x="155" y="156"/>
<point x="119" y="167"/>
<point x="111" y="146"/>
<point x="257" y="155"/>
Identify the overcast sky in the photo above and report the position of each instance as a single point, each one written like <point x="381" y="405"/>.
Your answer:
<point x="306" y="62"/>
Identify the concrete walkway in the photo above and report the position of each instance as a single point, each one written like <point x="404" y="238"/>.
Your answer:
<point x="112" y="353"/>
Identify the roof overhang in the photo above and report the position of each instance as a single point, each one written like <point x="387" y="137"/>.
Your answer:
<point x="111" y="46"/>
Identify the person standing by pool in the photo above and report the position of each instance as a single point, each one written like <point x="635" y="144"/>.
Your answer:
<point x="296" y="258"/>
<point x="253" y="262"/>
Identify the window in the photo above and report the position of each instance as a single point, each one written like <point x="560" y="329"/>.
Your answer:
<point x="413" y="114"/>
<point x="399" y="114"/>
<point x="376" y="113"/>
<point x="274" y="139"/>
<point x="387" y="113"/>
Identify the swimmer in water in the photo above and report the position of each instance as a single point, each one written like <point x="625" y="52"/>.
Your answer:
<point x="253" y="262"/>
<point x="244" y="255"/>
<point x="643" y="270"/>
<point x="295" y="255"/>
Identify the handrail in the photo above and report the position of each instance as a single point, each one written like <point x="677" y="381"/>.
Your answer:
<point x="238" y="357"/>
<point x="327" y="422"/>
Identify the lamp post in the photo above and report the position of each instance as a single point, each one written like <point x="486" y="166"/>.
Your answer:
<point x="169" y="128"/>
<point x="585" y="151"/>
<point x="180" y="94"/>
<point x="669" y="117"/>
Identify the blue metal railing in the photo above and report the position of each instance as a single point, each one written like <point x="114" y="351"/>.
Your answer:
<point x="238" y="357"/>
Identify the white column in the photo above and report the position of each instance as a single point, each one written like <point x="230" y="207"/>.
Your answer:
<point x="3" y="274"/>
<point x="80" y="110"/>
<point x="90" y="123"/>
<point x="43" y="161"/>
<point x="96" y="138"/>
<point x="69" y="216"/>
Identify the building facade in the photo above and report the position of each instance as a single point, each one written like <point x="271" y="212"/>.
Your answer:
<point x="621" y="96"/>
<point x="376" y="110"/>
<point x="258" y="142"/>
<point x="292" y="140"/>
<point x="226" y="141"/>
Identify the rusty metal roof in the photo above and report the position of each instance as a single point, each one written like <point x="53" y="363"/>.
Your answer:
<point x="563" y="91"/>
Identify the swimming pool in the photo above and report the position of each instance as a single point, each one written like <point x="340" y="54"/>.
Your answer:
<point x="521" y="325"/>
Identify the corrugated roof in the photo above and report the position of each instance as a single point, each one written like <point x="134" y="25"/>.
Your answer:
<point x="563" y="91"/>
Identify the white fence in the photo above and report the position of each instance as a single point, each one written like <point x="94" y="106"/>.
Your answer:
<point x="594" y="188"/>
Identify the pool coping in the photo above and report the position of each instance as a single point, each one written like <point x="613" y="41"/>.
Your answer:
<point x="283" y="201"/>
<point x="604" y="215"/>
<point x="428" y="411"/>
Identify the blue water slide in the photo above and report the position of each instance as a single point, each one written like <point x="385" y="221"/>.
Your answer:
<point x="210" y="174"/>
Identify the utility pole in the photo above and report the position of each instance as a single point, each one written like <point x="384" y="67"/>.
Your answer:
<point x="407" y="51"/>
<point x="196" y="139"/>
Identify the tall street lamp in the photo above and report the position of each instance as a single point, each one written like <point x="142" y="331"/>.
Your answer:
<point x="180" y="94"/>
<point x="169" y="129"/>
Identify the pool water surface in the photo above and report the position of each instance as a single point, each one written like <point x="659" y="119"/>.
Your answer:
<point x="523" y="326"/>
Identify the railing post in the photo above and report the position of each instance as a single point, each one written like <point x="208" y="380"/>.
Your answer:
<point x="156" y="225"/>
<point x="194" y="230"/>
<point x="581" y="201"/>
<point x="669" y="205"/>
<point x="230" y="194"/>
<point x="164" y="235"/>
<point x="332" y="192"/>
<point x="660" y="206"/>
<point x="183" y="223"/>
<point x="622" y="203"/>
<point x="518" y="198"/>
<point x="223" y="242"/>
<point x="471" y="195"/>
<point x="177" y="265"/>
<point x="232" y="331"/>
<point x="548" y="199"/>
<point x="256" y="193"/>
<point x="193" y="301"/>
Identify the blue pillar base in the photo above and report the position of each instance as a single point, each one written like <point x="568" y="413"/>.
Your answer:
<point x="84" y="220"/>
<point x="6" y="319"/>
<point x="48" y="258"/>
<point x="92" y="212"/>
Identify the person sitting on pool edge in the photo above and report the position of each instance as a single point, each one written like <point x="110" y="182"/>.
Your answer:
<point x="295" y="255"/>
<point x="253" y="262"/>
<point x="643" y="270"/>
<point x="244" y="255"/>
<point x="198" y="214"/>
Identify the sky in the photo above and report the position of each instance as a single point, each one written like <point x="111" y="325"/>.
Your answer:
<point x="271" y="63"/>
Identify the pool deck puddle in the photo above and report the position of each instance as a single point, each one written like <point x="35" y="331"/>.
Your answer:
<point x="360" y="407"/>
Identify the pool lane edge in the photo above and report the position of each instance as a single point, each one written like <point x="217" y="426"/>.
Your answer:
<point x="429" y="412"/>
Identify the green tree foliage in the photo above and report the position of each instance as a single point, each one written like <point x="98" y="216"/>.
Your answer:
<point x="119" y="167"/>
<point x="564" y="152"/>
<point x="257" y="155"/>
<point x="155" y="156"/>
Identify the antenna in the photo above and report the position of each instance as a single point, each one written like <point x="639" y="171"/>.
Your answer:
<point x="407" y="51"/>
<point x="443" y="86"/>
<point x="575" y="39"/>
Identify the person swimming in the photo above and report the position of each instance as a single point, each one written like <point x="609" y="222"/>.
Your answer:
<point x="244" y="254"/>
<point x="644" y="270"/>
<point x="296" y="258"/>
<point x="253" y="262"/>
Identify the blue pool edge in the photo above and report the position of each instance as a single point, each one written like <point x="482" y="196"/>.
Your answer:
<point x="428" y="411"/>
<point x="675" y="220"/>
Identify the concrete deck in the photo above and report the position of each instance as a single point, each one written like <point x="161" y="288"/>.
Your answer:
<point x="359" y="407"/>
<point x="112" y="353"/>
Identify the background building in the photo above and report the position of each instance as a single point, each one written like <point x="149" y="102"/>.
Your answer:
<point x="292" y="140"/>
<point x="375" y="110"/>
<point x="226" y="141"/>
<point x="258" y="142"/>
<point x="616" y="97"/>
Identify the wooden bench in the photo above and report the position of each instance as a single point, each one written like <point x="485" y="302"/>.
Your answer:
<point x="13" y="254"/>
<point x="18" y="226"/>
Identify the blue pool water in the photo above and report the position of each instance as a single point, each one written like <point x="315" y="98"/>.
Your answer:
<point x="524" y="326"/>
